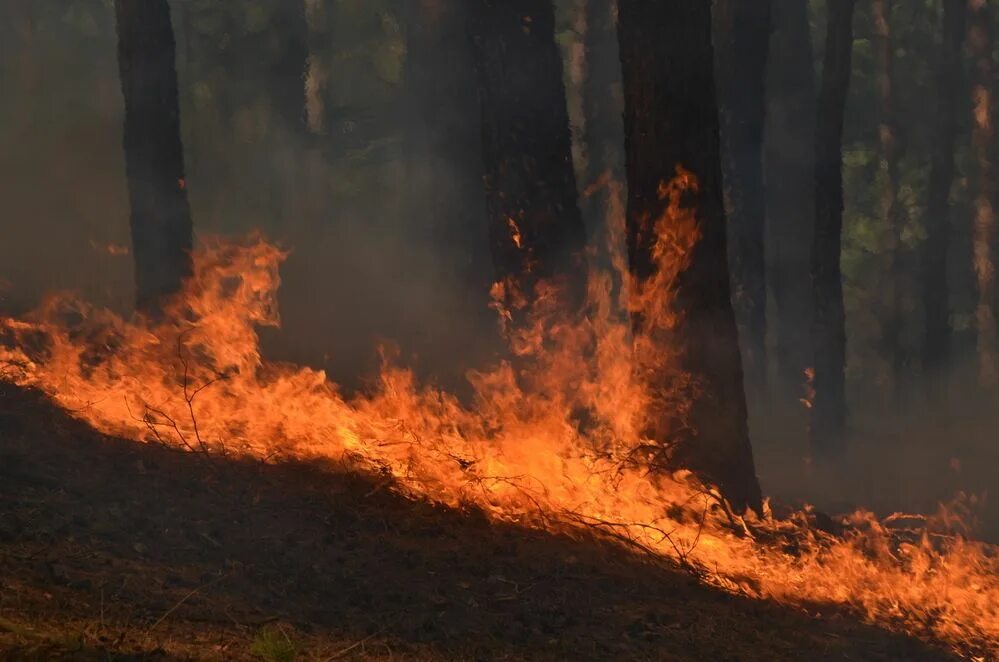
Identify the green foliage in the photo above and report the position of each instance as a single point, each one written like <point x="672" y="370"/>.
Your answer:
<point x="274" y="645"/>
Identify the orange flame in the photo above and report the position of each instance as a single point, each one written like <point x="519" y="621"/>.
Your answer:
<point x="554" y="444"/>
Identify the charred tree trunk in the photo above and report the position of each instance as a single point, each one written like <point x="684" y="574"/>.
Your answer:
<point x="982" y="136"/>
<point x="154" y="158"/>
<point x="576" y="62"/>
<point x="889" y="153"/>
<point x="742" y="36"/>
<point x="443" y="126"/>
<point x="671" y="120"/>
<point x="790" y="189"/>
<point x="829" y="332"/>
<point x="936" y="344"/>
<point x="288" y="46"/>
<point x="442" y="134"/>
<point x="602" y="109"/>
<point x="289" y="36"/>
<point x="535" y="226"/>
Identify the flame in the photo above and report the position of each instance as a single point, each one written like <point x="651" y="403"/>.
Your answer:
<point x="551" y="440"/>
<point x="515" y="235"/>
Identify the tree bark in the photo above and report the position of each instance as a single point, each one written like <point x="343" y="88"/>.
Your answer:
<point x="289" y="36"/>
<point x="982" y="136"/>
<point x="671" y="120"/>
<point x="535" y="226"/>
<point x="160" y="213"/>
<point x="891" y="326"/>
<point x="790" y="190"/>
<point x="742" y="35"/>
<point x="442" y="135"/>
<point x="829" y="332"/>
<point x="603" y="177"/>
<point x="936" y="343"/>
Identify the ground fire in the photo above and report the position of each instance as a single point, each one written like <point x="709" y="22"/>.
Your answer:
<point x="498" y="329"/>
<point x="195" y="380"/>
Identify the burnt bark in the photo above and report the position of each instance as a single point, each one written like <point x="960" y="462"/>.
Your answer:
<point x="982" y="138"/>
<point x="891" y="324"/>
<point x="741" y="38"/>
<point x="829" y="332"/>
<point x="154" y="157"/>
<point x="790" y="190"/>
<point x="603" y="178"/>
<point x="671" y="120"/>
<point x="442" y="134"/>
<point x="535" y="226"/>
<point x="289" y="46"/>
<point x="937" y="340"/>
<point x="601" y="92"/>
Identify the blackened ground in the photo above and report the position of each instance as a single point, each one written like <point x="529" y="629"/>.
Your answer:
<point x="111" y="549"/>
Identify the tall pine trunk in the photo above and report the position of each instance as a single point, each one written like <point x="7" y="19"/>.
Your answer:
<point x="982" y="136"/>
<point x="154" y="158"/>
<point x="289" y="44"/>
<point x="742" y="36"/>
<point x="443" y="153"/>
<point x="603" y="135"/>
<point x="790" y="190"/>
<point x="443" y="157"/>
<point x="889" y="153"/>
<point x="671" y="120"/>
<point x="829" y="332"/>
<point x="288" y="41"/>
<point x="936" y="343"/>
<point x="535" y="226"/>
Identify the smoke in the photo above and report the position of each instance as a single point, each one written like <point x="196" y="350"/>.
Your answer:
<point x="369" y="260"/>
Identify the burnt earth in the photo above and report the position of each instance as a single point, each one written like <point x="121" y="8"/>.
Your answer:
<point x="111" y="549"/>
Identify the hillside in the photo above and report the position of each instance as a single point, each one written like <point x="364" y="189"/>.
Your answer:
<point x="112" y="549"/>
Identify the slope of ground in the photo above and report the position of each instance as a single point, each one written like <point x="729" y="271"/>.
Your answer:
<point x="113" y="549"/>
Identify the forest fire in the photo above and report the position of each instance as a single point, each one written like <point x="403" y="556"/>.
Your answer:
<point x="555" y="443"/>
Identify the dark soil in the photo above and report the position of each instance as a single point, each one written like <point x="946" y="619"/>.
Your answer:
<point x="111" y="549"/>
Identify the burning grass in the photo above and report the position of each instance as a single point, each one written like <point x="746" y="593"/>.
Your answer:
<point x="554" y="443"/>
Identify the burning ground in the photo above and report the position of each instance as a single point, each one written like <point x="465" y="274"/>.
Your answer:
<point x="135" y="551"/>
<point x="516" y="490"/>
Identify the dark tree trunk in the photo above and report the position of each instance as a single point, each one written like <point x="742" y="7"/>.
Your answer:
<point x="936" y="344"/>
<point x="442" y="132"/>
<point x="671" y="120"/>
<point x="790" y="190"/>
<point x="742" y="36"/>
<point x="443" y="188"/>
<point x="289" y="43"/>
<point x="601" y="102"/>
<point x="154" y="158"/>
<point x="287" y="48"/>
<point x="829" y="334"/>
<point x="982" y="137"/>
<point x="891" y="324"/>
<point x="535" y="226"/>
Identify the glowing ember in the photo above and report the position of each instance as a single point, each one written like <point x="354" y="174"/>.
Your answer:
<point x="554" y="443"/>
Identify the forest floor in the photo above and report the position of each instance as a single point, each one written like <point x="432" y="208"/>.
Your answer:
<point x="111" y="549"/>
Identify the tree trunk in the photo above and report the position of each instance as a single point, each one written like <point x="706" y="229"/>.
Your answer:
<point x="891" y="327"/>
<point x="829" y="334"/>
<point x="154" y="158"/>
<point x="603" y="137"/>
<point x="288" y="46"/>
<point x="576" y="62"/>
<point x="936" y="344"/>
<point x="742" y="35"/>
<point x="982" y="135"/>
<point x="790" y="189"/>
<point x="442" y="138"/>
<point x="289" y="62"/>
<point x="671" y="120"/>
<point x="535" y="226"/>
